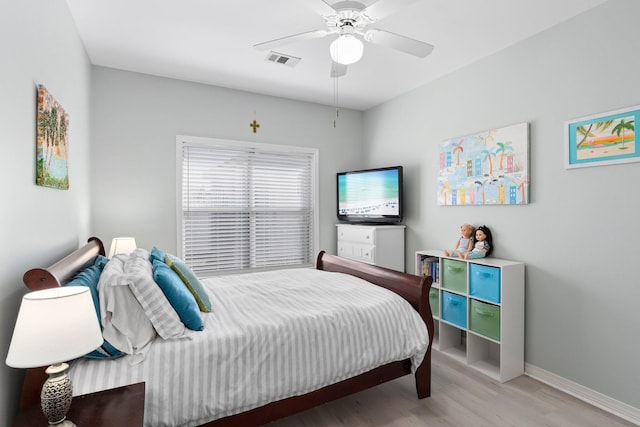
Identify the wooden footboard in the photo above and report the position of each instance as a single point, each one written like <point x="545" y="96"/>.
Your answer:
<point x="412" y="288"/>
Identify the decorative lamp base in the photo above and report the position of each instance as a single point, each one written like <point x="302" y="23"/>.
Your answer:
<point x="56" y="395"/>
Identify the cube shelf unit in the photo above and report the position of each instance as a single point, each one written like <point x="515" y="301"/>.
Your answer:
<point x="478" y="310"/>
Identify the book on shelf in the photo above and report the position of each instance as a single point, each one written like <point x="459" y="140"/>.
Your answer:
<point x="430" y="266"/>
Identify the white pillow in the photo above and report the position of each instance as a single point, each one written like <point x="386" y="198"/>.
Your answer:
<point x="159" y="311"/>
<point x="125" y="322"/>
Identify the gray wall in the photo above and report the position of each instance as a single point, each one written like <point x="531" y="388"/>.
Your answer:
<point x="578" y="236"/>
<point x="38" y="45"/>
<point x="136" y="118"/>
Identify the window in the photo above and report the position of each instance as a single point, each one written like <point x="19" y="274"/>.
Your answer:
<point x="245" y="206"/>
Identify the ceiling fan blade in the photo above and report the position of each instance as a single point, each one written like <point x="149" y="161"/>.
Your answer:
<point x="290" y="39"/>
<point x="338" y="70"/>
<point x="398" y="42"/>
<point x="383" y="8"/>
<point x="324" y="7"/>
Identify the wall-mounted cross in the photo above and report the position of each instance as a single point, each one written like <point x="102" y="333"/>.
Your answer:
<point x="255" y="125"/>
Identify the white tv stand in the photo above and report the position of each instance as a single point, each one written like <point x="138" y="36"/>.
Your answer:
<point x="381" y="245"/>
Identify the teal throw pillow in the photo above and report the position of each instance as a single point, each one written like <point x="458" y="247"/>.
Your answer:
<point x="89" y="278"/>
<point x="156" y="254"/>
<point x="178" y="295"/>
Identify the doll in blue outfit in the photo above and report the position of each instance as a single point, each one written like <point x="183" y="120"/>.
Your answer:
<point x="464" y="243"/>
<point x="483" y="244"/>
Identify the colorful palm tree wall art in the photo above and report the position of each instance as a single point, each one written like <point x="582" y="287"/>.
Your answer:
<point x="488" y="157"/>
<point x="521" y="183"/>
<point x="503" y="148"/>
<point x="458" y="148"/>
<point x="621" y="127"/>
<point x="443" y="191"/>
<point x="52" y="142"/>
<point x="586" y="131"/>
<point x="602" y="139"/>
<point x="486" y="168"/>
<point x="480" y="185"/>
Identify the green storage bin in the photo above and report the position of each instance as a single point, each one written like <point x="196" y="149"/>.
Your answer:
<point x="434" y="302"/>
<point x="484" y="319"/>
<point x="454" y="275"/>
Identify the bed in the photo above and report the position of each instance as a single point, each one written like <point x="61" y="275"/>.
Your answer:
<point x="415" y="358"/>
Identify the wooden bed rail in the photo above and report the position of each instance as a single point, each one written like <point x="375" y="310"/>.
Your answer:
<point x="64" y="270"/>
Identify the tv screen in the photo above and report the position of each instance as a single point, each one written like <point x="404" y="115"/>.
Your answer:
<point x="370" y="196"/>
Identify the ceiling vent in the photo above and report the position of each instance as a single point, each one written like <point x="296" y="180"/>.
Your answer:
<point x="280" y="58"/>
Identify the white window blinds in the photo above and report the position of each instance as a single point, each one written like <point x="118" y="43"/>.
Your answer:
<point x="245" y="206"/>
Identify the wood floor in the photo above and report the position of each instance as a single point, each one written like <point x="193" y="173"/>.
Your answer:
<point x="460" y="397"/>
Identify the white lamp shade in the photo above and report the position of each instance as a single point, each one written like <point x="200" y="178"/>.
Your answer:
<point x="54" y="326"/>
<point x="122" y="245"/>
<point x="346" y="49"/>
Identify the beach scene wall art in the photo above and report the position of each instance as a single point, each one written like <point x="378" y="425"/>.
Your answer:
<point x="52" y="144"/>
<point x="602" y="139"/>
<point x="485" y="168"/>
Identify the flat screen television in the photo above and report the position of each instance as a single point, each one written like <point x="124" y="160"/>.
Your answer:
<point x="370" y="196"/>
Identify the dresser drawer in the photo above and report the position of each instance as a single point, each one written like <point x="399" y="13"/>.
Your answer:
<point x="356" y="251"/>
<point x="358" y="234"/>
<point x="367" y="252"/>
<point x="484" y="319"/>
<point x="345" y="249"/>
<point x="484" y="282"/>
<point x="454" y="275"/>
<point x="454" y="309"/>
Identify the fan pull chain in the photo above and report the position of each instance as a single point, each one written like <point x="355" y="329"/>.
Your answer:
<point x="335" y="99"/>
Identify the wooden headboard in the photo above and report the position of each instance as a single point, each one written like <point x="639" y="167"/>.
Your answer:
<point x="65" y="269"/>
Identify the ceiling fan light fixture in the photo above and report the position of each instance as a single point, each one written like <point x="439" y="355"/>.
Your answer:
<point x="346" y="49"/>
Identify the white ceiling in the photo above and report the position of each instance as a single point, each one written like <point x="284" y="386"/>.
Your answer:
<point x="211" y="41"/>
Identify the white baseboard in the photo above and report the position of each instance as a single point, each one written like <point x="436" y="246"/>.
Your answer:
<point x="606" y="403"/>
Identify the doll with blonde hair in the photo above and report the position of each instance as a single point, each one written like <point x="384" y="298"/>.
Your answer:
<point x="464" y="243"/>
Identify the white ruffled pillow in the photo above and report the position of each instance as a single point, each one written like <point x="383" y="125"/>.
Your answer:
<point x="125" y="322"/>
<point x="159" y="311"/>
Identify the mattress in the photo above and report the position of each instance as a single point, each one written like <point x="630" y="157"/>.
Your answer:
<point x="270" y="335"/>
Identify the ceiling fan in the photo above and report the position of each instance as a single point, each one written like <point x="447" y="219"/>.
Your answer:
<point x="350" y="21"/>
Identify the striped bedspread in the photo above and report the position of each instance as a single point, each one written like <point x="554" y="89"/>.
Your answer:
<point x="270" y="335"/>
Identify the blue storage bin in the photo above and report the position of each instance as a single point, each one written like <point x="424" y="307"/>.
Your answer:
<point x="484" y="282"/>
<point x="454" y="309"/>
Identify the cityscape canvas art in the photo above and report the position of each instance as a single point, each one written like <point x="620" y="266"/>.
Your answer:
<point x="485" y="168"/>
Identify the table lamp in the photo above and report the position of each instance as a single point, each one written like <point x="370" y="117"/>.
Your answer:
<point x="122" y="245"/>
<point x="53" y="326"/>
